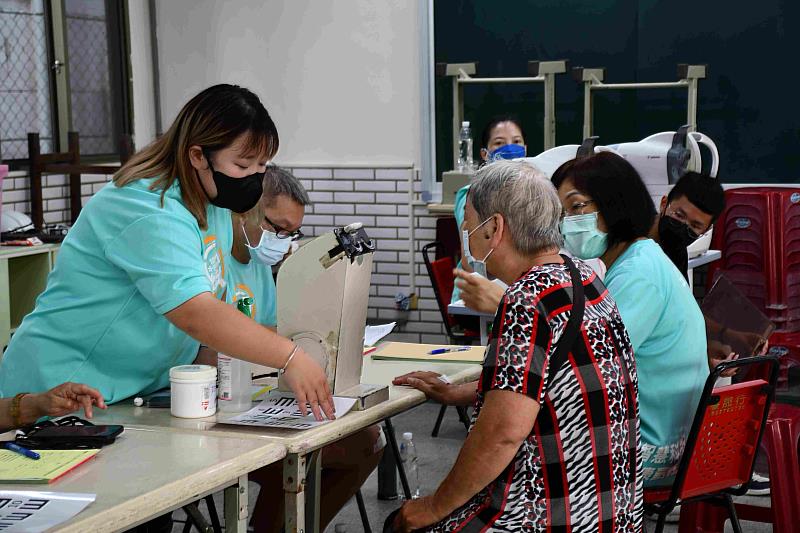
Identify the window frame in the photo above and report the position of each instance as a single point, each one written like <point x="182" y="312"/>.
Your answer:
<point x="119" y="78"/>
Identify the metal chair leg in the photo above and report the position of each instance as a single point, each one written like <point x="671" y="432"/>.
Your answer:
<point x="462" y="415"/>
<point x="195" y="518"/>
<point x="212" y="513"/>
<point x="435" y="432"/>
<point x="362" y="510"/>
<point x="737" y="527"/>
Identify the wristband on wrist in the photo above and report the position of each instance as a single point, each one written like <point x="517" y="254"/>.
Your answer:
<point x="282" y="371"/>
<point x="16" y="416"/>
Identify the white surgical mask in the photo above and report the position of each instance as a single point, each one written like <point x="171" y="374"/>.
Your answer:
<point x="477" y="266"/>
<point x="270" y="249"/>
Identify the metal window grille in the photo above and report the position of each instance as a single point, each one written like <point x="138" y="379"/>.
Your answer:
<point x="25" y="86"/>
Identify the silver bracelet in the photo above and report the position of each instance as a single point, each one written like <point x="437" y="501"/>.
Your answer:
<point x="282" y="371"/>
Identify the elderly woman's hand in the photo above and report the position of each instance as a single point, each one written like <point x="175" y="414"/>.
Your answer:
<point x="416" y="514"/>
<point x="430" y="383"/>
<point x="479" y="293"/>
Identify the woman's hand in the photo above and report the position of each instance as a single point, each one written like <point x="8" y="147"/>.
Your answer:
<point x="310" y="385"/>
<point x="416" y="514"/>
<point x="720" y="353"/>
<point x="430" y="383"/>
<point x="479" y="293"/>
<point x="63" y="400"/>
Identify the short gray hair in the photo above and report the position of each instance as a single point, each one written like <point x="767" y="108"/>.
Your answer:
<point x="279" y="182"/>
<point x="526" y="199"/>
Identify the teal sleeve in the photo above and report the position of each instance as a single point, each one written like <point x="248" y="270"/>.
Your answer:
<point x="639" y="302"/>
<point x="270" y="300"/>
<point x="459" y="205"/>
<point x="163" y="256"/>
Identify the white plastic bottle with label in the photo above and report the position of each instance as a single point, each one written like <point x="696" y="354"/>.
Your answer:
<point x="235" y="377"/>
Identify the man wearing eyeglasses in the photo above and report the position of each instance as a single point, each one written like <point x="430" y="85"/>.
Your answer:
<point x="262" y="237"/>
<point x="686" y="213"/>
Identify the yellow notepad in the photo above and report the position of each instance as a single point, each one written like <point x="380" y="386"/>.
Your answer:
<point x="16" y="468"/>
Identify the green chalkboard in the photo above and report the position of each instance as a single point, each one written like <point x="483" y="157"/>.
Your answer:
<point x="747" y="104"/>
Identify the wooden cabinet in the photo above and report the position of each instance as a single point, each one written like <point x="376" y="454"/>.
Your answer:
<point x="23" y="276"/>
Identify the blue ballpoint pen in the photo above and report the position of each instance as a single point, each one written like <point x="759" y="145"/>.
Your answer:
<point x="438" y="351"/>
<point x="22" y="451"/>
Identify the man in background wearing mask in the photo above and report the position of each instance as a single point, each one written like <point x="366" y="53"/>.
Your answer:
<point x="261" y="239"/>
<point x="687" y="212"/>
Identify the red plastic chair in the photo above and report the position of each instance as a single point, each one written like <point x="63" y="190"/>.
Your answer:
<point x="721" y="448"/>
<point x="781" y="441"/>
<point x="441" y="274"/>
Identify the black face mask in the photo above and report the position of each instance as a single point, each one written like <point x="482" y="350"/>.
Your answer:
<point x="674" y="237"/>
<point x="237" y="194"/>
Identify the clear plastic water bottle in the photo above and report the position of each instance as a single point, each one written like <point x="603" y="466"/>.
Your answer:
<point x="465" y="163"/>
<point x="235" y="377"/>
<point x="408" y="455"/>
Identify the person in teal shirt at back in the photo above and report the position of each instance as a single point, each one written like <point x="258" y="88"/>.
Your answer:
<point x="608" y="214"/>
<point x="140" y="277"/>
<point x="502" y="138"/>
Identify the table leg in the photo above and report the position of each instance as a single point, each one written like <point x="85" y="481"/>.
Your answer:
<point x="484" y="323"/>
<point x="236" y="506"/>
<point x="294" y="479"/>
<point x="313" y="482"/>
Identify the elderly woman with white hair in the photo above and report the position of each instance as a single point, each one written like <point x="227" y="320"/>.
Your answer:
<point x="554" y="439"/>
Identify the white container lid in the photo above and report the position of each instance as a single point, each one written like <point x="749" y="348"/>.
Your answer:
<point x="408" y="435"/>
<point x="465" y="124"/>
<point x="193" y="372"/>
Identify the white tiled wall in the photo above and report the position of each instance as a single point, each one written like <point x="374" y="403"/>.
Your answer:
<point x="377" y="197"/>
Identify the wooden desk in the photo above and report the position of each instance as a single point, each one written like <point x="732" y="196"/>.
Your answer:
<point x="301" y="466"/>
<point x="149" y="472"/>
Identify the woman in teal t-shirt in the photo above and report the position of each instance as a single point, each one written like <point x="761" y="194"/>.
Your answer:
<point x="608" y="214"/>
<point x="140" y="276"/>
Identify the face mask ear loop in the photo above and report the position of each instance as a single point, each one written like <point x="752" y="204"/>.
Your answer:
<point x="247" y="240"/>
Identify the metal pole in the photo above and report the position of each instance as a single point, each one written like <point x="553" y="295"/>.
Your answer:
<point x="458" y="112"/>
<point x="691" y="106"/>
<point x="549" y="111"/>
<point x="587" y="109"/>
<point x="536" y="79"/>
<point x="654" y="85"/>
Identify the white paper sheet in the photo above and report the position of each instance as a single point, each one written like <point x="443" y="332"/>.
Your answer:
<point x="34" y="511"/>
<point x="372" y="334"/>
<point x="280" y="410"/>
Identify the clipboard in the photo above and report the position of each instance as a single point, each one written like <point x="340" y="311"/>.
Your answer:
<point x="406" y="351"/>
<point x="728" y="307"/>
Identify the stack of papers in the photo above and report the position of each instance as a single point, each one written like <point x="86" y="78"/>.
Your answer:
<point x="280" y="410"/>
<point x="372" y="334"/>
<point x="26" y="511"/>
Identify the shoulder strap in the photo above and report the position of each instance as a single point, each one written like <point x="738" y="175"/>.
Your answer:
<point x="573" y="327"/>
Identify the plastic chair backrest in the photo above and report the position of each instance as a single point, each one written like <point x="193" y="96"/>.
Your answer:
<point x="441" y="273"/>
<point x="727" y="439"/>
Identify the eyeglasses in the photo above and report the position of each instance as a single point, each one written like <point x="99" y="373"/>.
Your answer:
<point x="284" y="233"/>
<point x="577" y="208"/>
<point x="695" y="227"/>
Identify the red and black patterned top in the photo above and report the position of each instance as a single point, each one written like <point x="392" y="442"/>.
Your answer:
<point x="580" y="468"/>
